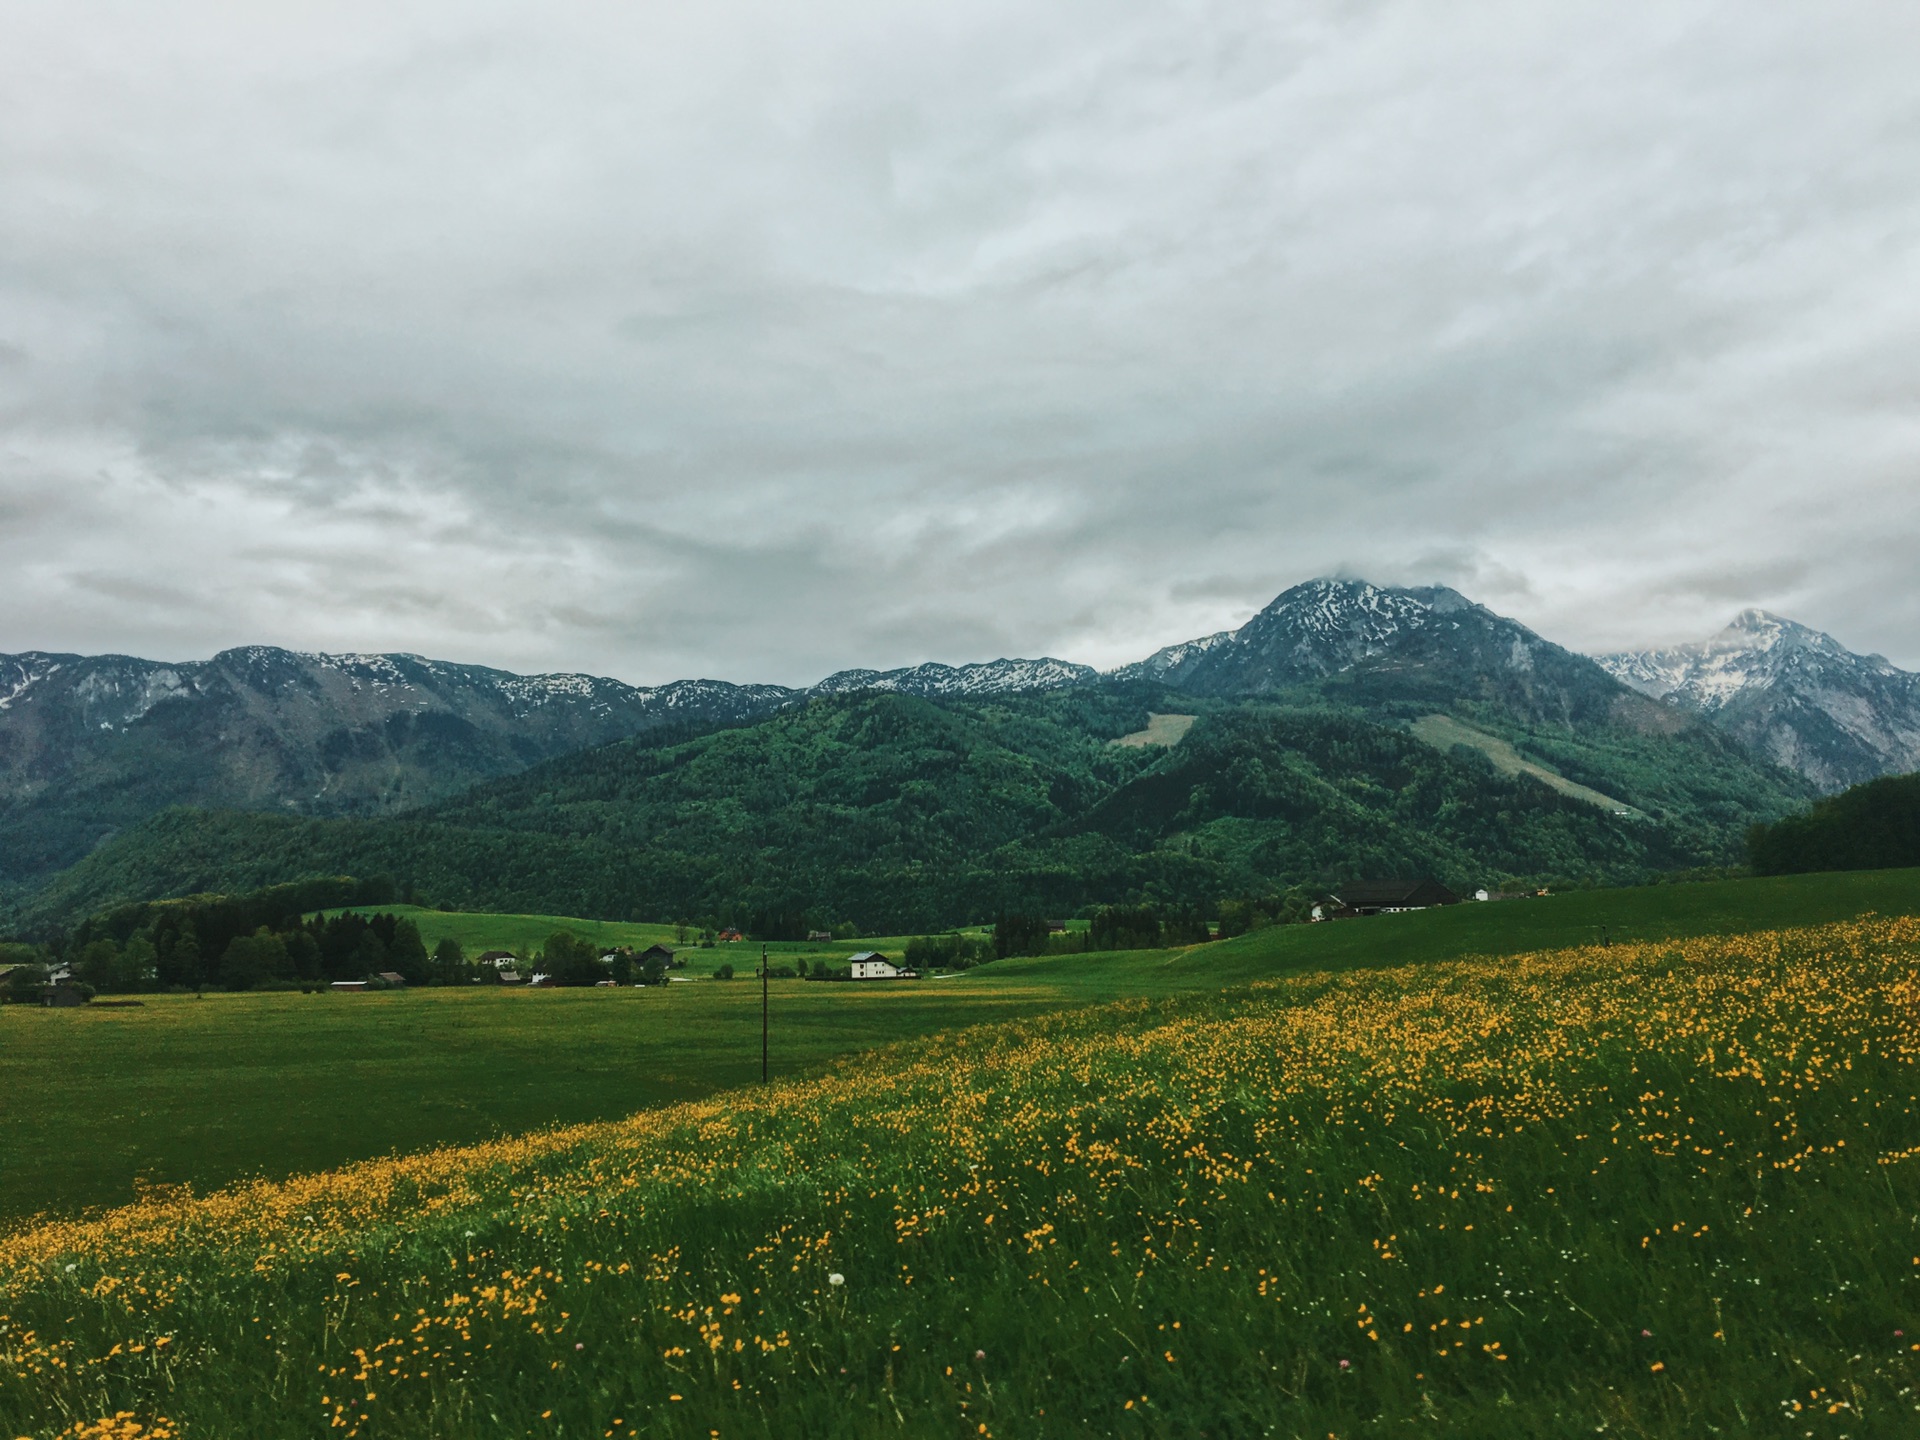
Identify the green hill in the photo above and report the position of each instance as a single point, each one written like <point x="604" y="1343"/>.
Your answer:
<point x="1869" y="827"/>
<point x="903" y="814"/>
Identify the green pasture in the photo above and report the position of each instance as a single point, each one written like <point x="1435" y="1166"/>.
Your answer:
<point x="100" y="1103"/>
<point x="1506" y="927"/>
<point x="478" y="932"/>
<point x="1666" y="1190"/>
<point x="96" y="1102"/>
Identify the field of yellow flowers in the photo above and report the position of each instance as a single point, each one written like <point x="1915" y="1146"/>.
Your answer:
<point x="1660" y="1189"/>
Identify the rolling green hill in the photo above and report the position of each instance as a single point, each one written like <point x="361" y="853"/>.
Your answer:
<point x="904" y="814"/>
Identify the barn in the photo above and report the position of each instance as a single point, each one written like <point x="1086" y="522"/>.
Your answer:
<point x="1386" y="897"/>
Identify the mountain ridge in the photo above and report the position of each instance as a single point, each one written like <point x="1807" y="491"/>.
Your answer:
<point x="1792" y="694"/>
<point x="89" y="745"/>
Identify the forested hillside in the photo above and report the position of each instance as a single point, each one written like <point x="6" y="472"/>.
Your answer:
<point x="901" y="813"/>
<point x="1875" y="826"/>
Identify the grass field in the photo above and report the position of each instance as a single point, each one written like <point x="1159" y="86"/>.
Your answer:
<point x="1443" y="732"/>
<point x="1654" y="1189"/>
<point x="99" y="1104"/>
<point x="526" y="934"/>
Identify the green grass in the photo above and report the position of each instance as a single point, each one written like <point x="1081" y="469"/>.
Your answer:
<point x="1650" y="1190"/>
<point x="479" y="932"/>
<point x="1443" y="732"/>
<point x="102" y="1102"/>
<point x="1508" y="927"/>
<point x="208" y="1091"/>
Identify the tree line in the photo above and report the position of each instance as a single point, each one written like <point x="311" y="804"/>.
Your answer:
<point x="1875" y="826"/>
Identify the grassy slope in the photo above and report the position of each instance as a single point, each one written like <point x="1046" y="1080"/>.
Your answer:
<point x="1656" y="1190"/>
<point x="1653" y="912"/>
<point x="209" y="1090"/>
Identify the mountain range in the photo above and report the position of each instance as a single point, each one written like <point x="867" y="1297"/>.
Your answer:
<point x="1688" y="740"/>
<point x="89" y="744"/>
<point x="1792" y="695"/>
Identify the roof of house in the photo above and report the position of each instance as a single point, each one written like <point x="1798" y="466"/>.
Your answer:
<point x="868" y="955"/>
<point x="1394" y="894"/>
<point x="393" y="977"/>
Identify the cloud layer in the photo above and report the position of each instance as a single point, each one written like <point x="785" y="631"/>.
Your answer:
<point x="755" y="340"/>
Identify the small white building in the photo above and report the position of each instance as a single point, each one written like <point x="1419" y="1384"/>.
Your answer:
<point x="872" y="965"/>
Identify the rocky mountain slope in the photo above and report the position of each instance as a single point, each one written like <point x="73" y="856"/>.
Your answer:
<point x="91" y="743"/>
<point x="1791" y="694"/>
<point x="1373" y="645"/>
<point x="945" y="682"/>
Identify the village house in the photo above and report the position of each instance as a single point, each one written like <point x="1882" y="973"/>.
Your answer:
<point x="505" y="964"/>
<point x="348" y="986"/>
<point x="872" y="965"/>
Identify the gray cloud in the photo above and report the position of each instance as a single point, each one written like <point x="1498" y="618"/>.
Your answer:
<point x="755" y="341"/>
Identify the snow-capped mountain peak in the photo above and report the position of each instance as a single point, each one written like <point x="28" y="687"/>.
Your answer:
<point x="1754" y="651"/>
<point x="1795" y="694"/>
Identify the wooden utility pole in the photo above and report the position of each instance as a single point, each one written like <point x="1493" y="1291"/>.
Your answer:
<point x="763" y="1014"/>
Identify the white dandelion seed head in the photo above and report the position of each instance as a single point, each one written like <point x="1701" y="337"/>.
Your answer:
<point x="836" y="1278"/>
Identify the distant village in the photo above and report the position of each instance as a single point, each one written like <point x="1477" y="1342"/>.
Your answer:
<point x="59" y="980"/>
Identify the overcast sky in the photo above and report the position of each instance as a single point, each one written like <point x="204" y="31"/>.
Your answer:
<point x="759" y="340"/>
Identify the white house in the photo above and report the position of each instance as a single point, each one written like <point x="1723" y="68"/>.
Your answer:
<point x="872" y="965"/>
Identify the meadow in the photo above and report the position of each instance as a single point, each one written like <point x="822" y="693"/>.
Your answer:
<point x="479" y="931"/>
<point x="104" y="1105"/>
<point x="1651" y="1188"/>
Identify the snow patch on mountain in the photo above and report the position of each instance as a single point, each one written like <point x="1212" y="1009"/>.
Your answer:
<point x="20" y="673"/>
<point x="1755" y="652"/>
<point x="1171" y="658"/>
<point x="934" y="681"/>
<point x="1793" y="694"/>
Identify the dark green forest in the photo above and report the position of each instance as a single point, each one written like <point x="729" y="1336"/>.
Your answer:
<point x="1875" y="826"/>
<point x="901" y="814"/>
